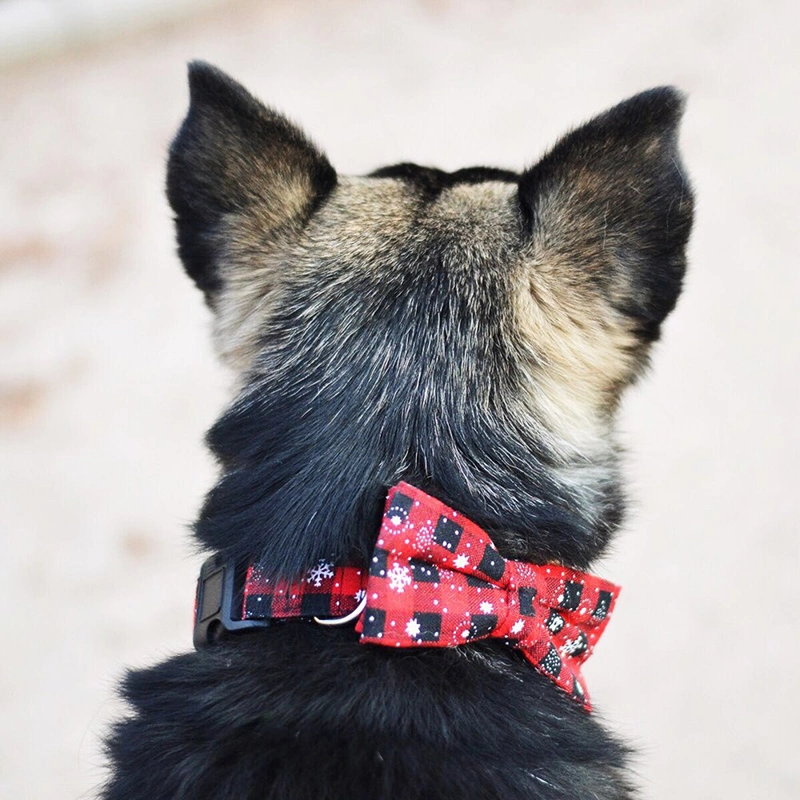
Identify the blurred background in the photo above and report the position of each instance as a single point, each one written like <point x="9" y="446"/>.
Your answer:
<point x="108" y="380"/>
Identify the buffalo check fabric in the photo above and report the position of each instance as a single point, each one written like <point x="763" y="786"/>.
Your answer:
<point x="325" y="590"/>
<point x="436" y="580"/>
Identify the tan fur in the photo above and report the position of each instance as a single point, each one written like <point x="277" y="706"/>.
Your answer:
<point x="358" y="218"/>
<point x="579" y="351"/>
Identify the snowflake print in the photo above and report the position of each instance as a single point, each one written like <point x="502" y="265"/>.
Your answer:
<point x="517" y="626"/>
<point x="574" y="646"/>
<point x="525" y="574"/>
<point x="424" y="536"/>
<point x="319" y="573"/>
<point x="360" y="595"/>
<point x="412" y="628"/>
<point x="486" y="608"/>
<point x="461" y="561"/>
<point x="399" y="577"/>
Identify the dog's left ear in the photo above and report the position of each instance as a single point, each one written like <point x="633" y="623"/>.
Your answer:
<point x="239" y="176"/>
<point x="609" y="211"/>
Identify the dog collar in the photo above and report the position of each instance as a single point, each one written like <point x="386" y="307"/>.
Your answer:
<point x="435" y="580"/>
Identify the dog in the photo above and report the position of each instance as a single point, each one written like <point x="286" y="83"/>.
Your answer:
<point x="460" y="340"/>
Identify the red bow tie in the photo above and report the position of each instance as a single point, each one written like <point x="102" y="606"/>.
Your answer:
<point x="436" y="580"/>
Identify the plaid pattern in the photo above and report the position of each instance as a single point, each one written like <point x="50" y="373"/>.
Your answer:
<point x="436" y="580"/>
<point x="325" y="591"/>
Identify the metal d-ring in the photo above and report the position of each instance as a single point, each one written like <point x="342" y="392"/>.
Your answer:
<point x="355" y="614"/>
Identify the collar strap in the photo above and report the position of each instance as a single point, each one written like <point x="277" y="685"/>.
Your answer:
<point x="435" y="580"/>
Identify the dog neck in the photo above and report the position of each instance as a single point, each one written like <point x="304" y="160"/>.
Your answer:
<point x="305" y="478"/>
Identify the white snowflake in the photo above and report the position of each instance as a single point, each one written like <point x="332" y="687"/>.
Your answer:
<point x="412" y="628"/>
<point x="399" y="577"/>
<point x="424" y="536"/>
<point x="517" y="626"/>
<point x="571" y="646"/>
<point x="317" y="574"/>
<point x="461" y="561"/>
<point x="360" y="595"/>
<point x="525" y="574"/>
<point x="396" y="519"/>
<point x="486" y="608"/>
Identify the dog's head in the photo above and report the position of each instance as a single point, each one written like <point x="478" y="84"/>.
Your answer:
<point x="471" y="331"/>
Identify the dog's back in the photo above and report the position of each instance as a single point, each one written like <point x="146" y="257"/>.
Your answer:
<point x="468" y="332"/>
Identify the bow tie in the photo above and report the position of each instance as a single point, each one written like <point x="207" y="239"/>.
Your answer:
<point x="436" y="580"/>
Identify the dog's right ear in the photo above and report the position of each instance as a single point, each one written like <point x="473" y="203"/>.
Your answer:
<point x="237" y="164"/>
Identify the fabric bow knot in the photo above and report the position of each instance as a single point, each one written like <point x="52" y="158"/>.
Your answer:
<point x="436" y="580"/>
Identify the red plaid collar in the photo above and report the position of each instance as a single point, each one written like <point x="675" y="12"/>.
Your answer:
<point x="436" y="580"/>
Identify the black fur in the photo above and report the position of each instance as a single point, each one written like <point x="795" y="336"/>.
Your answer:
<point x="405" y="363"/>
<point x="431" y="181"/>
<point x="308" y="713"/>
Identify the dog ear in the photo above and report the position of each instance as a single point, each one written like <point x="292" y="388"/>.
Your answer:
<point x="235" y="161"/>
<point x="610" y="209"/>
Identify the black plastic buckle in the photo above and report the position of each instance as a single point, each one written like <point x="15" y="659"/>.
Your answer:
<point x="218" y="603"/>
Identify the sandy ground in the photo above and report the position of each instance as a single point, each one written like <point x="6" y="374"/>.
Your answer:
<point x="107" y="378"/>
